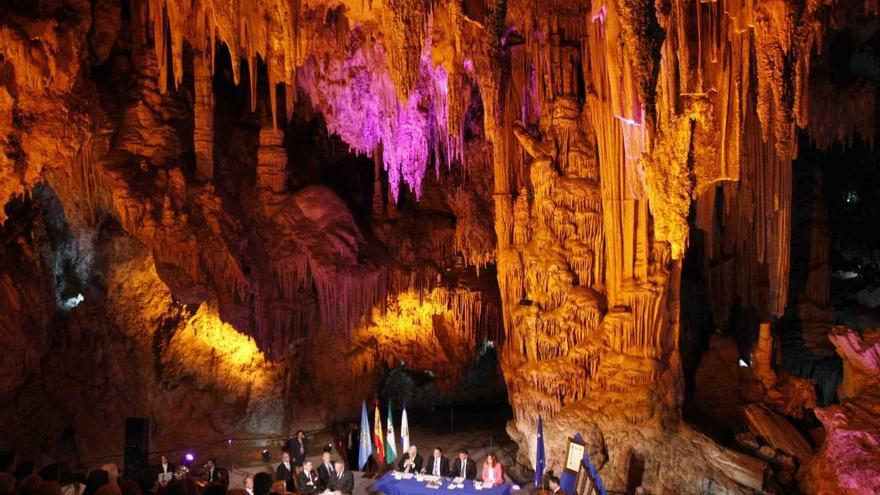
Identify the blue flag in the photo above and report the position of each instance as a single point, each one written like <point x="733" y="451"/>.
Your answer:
<point x="539" y="454"/>
<point x="366" y="447"/>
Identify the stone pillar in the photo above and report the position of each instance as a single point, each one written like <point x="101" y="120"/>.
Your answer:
<point x="272" y="160"/>
<point x="203" y="133"/>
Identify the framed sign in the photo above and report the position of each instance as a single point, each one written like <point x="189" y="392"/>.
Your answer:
<point x="573" y="455"/>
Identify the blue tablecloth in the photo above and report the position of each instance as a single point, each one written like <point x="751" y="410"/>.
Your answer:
<point x="390" y="486"/>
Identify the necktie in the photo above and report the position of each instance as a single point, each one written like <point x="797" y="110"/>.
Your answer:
<point x="436" y="467"/>
<point x="463" y="464"/>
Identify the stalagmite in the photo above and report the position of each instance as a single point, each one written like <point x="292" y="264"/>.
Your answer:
<point x="203" y="111"/>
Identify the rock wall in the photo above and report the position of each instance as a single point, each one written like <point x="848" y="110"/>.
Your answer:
<point x="575" y="147"/>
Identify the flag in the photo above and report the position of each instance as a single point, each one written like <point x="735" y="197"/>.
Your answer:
<point x="378" y="437"/>
<point x="365" y="448"/>
<point x="404" y="431"/>
<point x="539" y="454"/>
<point x="390" y="442"/>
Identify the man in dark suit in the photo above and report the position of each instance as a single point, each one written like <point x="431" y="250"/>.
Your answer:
<point x="325" y="470"/>
<point x="341" y="481"/>
<point x="411" y="462"/>
<point x="308" y="479"/>
<point x="284" y="472"/>
<point x="438" y="465"/>
<point x="299" y="448"/>
<point x="464" y="466"/>
<point x="553" y="483"/>
<point x="215" y="475"/>
<point x="165" y="470"/>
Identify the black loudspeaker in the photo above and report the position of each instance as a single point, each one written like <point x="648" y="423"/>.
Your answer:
<point x="137" y="447"/>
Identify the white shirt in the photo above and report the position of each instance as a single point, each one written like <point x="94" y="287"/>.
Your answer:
<point x="164" y="468"/>
<point x="286" y="465"/>
<point x="436" y="471"/>
<point x="464" y="464"/>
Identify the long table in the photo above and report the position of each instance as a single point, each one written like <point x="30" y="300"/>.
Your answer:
<point x="390" y="486"/>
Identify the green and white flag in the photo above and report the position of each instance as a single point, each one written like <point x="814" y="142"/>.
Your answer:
<point x="390" y="448"/>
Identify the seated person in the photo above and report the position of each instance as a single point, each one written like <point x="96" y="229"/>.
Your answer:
<point x="464" y="467"/>
<point x="492" y="473"/>
<point x="325" y="470"/>
<point x="284" y="471"/>
<point x="553" y="482"/>
<point x="341" y="481"/>
<point x="437" y="465"/>
<point x="411" y="462"/>
<point x="308" y="479"/>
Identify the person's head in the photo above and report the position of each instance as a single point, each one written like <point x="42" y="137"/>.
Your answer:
<point x="112" y="471"/>
<point x="130" y="487"/>
<point x="96" y="479"/>
<point x="248" y="482"/>
<point x="297" y="469"/>
<point x="7" y="482"/>
<point x="438" y="451"/>
<point x="262" y="483"/>
<point x="463" y="454"/>
<point x="30" y="485"/>
<point x="285" y="456"/>
<point x="279" y="487"/>
<point x="325" y="457"/>
<point x="340" y="466"/>
<point x="215" y="490"/>
<point x="300" y="435"/>
<point x="7" y="461"/>
<point x="163" y="459"/>
<point x="413" y="451"/>
<point x="307" y="466"/>
<point x="553" y="482"/>
<point x="211" y="463"/>
<point x="491" y="459"/>
<point x="52" y="472"/>
<point x="177" y="486"/>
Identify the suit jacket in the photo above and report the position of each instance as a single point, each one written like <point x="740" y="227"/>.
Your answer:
<point x="324" y="475"/>
<point x="470" y="469"/>
<point x="428" y="466"/>
<point x="488" y="471"/>
<point x="282" y="473"/>
<point x="219" y="477"/>
<point x="343" y="483"/>
<point x="417" y="461"/>
<point x="298" y="451"/>
<point x="169" y="468"/>
<point x="309" y="486"/>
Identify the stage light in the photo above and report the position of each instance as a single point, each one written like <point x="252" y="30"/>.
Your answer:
<point x="229" y="442"/>
<point x="267" y="456"/>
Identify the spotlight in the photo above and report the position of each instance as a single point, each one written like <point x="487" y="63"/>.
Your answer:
<point x="328" y="447"/>
<point x="229" y="442"/>
<point x="188" y="459"/>
<point x="267" y="456"/>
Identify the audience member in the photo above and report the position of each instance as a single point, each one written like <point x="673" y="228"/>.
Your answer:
<point x="341" y="481"/>
<point x="262" y="483"/>
<point x="130" y="487"/>
<point x="284" y="471"/>
<point x="7" y="483"/>
<point x="30" y="485"/>
<point x="325" y="470"/>
<point x="248" y="484"/>
<point x="7" y="462"/>
<point x="23" y="469"/>
<point x="95" y="480"/>
<point x="308" y="479"/>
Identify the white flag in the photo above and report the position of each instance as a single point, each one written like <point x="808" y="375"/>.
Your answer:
<point x="404" y="431"/>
